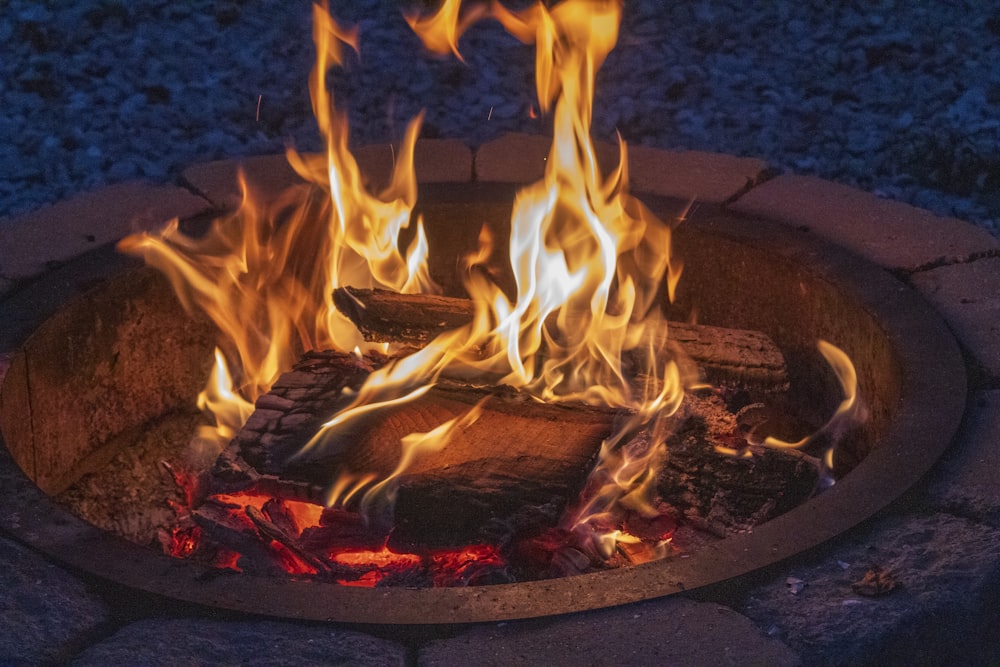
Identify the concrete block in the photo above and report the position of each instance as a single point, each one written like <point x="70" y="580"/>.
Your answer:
<point x="968" y="296"/>
<point x="892" y="234"/>
<point x="44" y="611"/>
<point x="711" y="178"/>
<point x="31" y="243"/>
<point x="945" y="570"/>
<point x="965" y="481"/>
<point x="200" y="641"/>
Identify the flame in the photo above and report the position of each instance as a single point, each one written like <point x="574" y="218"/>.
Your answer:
<point x="265" y="274"/>
<point x="591" y="266"/>
<point x="441" y="31"/>
<point x="849" y="411"/>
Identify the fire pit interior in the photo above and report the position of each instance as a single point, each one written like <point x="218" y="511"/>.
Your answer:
<point x="109" y="384"/>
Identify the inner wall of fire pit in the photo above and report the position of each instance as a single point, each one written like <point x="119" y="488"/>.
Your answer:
<point x="118" y="363"/>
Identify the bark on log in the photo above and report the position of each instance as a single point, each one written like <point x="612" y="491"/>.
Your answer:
<point x="724" y="494"/>
<point x="518" y="450"/>
<point x="732" y="357"/>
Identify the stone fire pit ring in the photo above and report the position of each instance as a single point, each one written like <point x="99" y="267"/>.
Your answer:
<point x="927" y="404"/>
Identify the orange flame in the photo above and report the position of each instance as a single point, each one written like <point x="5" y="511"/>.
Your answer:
<point x="268" y="285"/>
<point x="589" y="261"/>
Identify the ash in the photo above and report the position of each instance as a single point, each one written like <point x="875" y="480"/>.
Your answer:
<point x="131" y="496"/>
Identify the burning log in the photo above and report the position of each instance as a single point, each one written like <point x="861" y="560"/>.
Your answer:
<point x="732" y="357"/>
<point x="518" y="452"/>
<point x="722" y="493"/>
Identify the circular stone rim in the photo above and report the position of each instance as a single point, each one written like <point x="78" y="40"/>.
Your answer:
<point x="929" y="411"/>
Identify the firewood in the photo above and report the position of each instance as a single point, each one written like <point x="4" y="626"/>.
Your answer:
<point x="732" y="357"/>
<point x="721" y="493"/>
<point x="517" y="451"/>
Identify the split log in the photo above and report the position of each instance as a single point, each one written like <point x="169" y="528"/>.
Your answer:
<point x="518" y="452"/>
<point x="732" y="357"/>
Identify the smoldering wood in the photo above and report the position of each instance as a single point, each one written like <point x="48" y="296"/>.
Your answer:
<point x="721" y="494"/>
<point x="732" y="357"/>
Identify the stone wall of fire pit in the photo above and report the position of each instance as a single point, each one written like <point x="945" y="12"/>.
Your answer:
<point x="939" y="545"/>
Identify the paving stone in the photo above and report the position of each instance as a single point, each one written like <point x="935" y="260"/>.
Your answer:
<point x="266" y="176"/>
<point x="663" y="632"/>
<point x="692" y="175"/>
<point x="968" y="296"/>
<point x="965" y="480"/>
<point x="434" y="161"/>
<point x="29" y="244"/>
<point x="520" y="158"/>
<point x="195" y="641"/>
<point x="890" y="233"/>
<point x="947" y="571"/>
<point x="45" y="612"/>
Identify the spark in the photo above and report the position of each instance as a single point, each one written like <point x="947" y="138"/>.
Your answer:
<point x="259" y="98"/>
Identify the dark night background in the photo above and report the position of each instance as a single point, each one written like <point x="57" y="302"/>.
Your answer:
<point x="897" y="98"/>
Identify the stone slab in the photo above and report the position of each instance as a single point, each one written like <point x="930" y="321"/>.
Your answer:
<point x="675" y="631"/>
<point x="266" y="176"/>
<point x="947" y="571"/>
<point x="712" y="178"/>
<point x="687" y="175"/>
<point x="199" y="641"/>
<point x="45" y="613"/>
<point x="968" y="296"/>
<point x="30" y="244"/>
<point x="892" y="234"/>
<point x="965" y="481"/>
<point x="520" y="158"/>
<point x="434" y="161"/>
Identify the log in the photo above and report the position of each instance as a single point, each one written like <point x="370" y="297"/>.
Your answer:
<point x="723" y="494"/>
<point x="518" y="452"/>
<point x="732" y="357"/>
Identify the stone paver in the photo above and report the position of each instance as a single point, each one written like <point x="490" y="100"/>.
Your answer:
<point x="965" y="480"/>
<point x="198" y="641"/>
<point x="45" y="613"/>
<point x="687" y="175"/>
<point x="266" y="176"/>
<point x="667" y="632"/>
<point x="520" y="158"/>
<point x="946" y="568"/>
<point x="892" y="234"/>
<point x="692" y="175"/>
<point x="29" y="244"/>
<point x="434" y="161"/>
<point x="968" y="296"/>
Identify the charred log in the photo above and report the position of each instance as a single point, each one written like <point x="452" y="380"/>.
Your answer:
<point x="720" y="493"/>
<point x="732" y="357"/>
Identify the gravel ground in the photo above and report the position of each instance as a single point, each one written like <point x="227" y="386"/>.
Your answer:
<point x="898" y="98"/>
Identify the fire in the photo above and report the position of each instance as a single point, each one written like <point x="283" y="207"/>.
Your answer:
<point x="591" y="266"/>
<point x="268" y="285"/>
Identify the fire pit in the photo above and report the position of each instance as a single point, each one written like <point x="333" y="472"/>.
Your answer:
<point x="565" y="348"/>
<point x="742" y="272"/>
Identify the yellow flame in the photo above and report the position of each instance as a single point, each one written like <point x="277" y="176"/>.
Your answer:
<point x="441" y="31"/>
<point x="268" y="285"/>
<point x="848" y="411"/>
